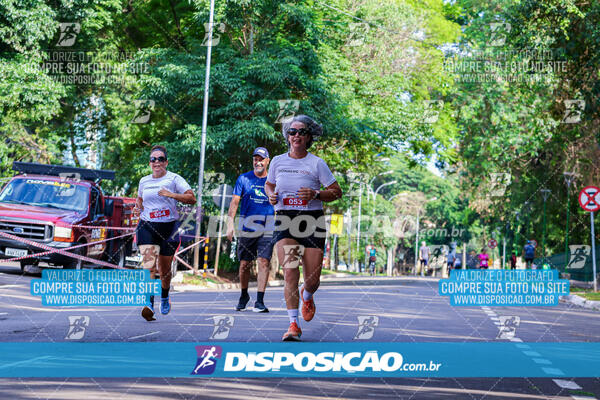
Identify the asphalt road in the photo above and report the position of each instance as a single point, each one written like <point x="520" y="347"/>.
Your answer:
<point x="408" y="310"/>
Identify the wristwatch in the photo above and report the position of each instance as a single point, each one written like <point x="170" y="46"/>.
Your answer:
<point x="318" y="194"/>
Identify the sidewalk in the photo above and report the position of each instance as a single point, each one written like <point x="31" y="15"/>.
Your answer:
<point x="580" y="301"/>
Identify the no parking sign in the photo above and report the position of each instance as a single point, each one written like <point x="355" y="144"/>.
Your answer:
<point x="589" y="198"/>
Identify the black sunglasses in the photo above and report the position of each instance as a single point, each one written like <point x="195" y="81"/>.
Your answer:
<point x="301" y="132"/>
<point x="159" y="159"/>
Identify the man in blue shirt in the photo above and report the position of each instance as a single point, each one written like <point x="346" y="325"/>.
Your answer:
<point x="255" y="241"/>
<point x="529" y="251"/>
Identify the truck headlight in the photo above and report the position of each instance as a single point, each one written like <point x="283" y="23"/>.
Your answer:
<point x="63" y="234"/>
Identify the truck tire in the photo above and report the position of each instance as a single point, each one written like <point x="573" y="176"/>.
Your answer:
<point x="75" y="263"/>
<point x="119" y="256"/>
<point x="25" y="262"/>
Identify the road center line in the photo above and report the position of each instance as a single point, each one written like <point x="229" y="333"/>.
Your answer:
<point x="141" y="336"/>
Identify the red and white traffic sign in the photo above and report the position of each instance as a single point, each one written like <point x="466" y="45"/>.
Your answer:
<point x="589" y="198"/>
<point x="492" y="243"/>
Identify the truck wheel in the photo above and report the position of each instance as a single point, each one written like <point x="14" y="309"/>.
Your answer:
<point x="76" y="263"/>
<point x="25" y="262"/>
<point x="119" y="258"/>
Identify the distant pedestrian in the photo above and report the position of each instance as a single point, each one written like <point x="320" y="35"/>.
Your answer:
<point x="529" y="251"/>
<point x="451" y="259"/>
<point x="424" y="255"/>
<point x="513" y="261"/>
<point x="483" y="259"/>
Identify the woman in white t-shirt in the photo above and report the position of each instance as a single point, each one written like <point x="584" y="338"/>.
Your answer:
<point x="157" y="235"/>
<point x="294" y="186"/>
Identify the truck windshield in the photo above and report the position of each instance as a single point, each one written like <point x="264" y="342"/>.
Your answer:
<point x="46" y="193"/>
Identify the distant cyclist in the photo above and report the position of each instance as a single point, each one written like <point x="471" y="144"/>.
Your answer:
<point x="529" y="251"/>
<point x="157" y="231"/>
<point x="372" y="259"/>
<point x="254" y="242"/>
<point x="294" y="187"/>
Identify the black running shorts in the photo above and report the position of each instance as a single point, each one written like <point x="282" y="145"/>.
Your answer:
<point x="307" y="227"/>
<point x="163" y="234"/>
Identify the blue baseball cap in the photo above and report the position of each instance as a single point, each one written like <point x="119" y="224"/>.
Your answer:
<point x="261" y="151"/>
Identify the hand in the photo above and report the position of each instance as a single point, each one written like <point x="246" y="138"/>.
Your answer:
<point x="230" y="233"/>
<point x="273" y="198"/>
<point x="137" y="210"/>
<point x="306" y="193"/>
<point x="165" y="193"/>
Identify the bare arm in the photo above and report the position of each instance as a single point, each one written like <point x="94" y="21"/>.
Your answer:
<point x="139" y="206"/>
<point x="187" y="198"/>
<point x="270" y="192"/>
<point x="332" y="193"/>
<point x="233" y="206"/>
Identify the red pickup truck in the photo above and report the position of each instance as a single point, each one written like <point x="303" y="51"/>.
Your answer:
<point x="60" y="207"/>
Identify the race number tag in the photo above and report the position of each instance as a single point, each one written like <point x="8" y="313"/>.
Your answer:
<point x="294" y="202"/>
<point x="160" y="213"/>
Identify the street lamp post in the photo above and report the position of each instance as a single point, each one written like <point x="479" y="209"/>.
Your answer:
<point x="377" y="191"/>
<point x="515" y="245"/>
<point x="417" y="244"/>
<point x="203" y="137"/>
<point x="545" y="194"/>
<point x="569" y="178"/>
<point x="391" y="171"/>
<point x="358" y="234"/>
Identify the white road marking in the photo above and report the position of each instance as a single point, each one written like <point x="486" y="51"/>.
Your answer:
<point x="542" y="361"/>
<point x="141" y="336"/>
<point x="582" y="398"/>
<point x="31" y="360"/>
<point x="563" y="384"/>
<point x="552" y="371"/>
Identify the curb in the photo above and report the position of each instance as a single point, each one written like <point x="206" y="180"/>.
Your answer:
<point x="580" y="301"/>
<point x="280" y="283"/>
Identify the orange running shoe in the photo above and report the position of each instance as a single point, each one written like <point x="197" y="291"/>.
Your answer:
<point x="308" y="307"/>
<point x="293" y="334"/>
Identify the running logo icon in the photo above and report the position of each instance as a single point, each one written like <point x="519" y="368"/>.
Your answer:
<point x="68" y="34"/>
<point x="499" y="31"/>
<point x="508" y="326"/>
<point x="287" y="110"/>
<point x="77" y="326"/>
<point x="222" y="326"/>
<point x="293" y="255"/>
<point x="499" y="181"/>
<point x="431" y="113"/>
<point x="207" y="359"/>
<point x="69" y="189"/>
<point x="143" y="111"/>
<point x="358" y="33"/>
<point x="573" y="111"/>
<point x="366" y="326"/>
<point x="218" y="28"/>
<point x="579" y="255"/>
